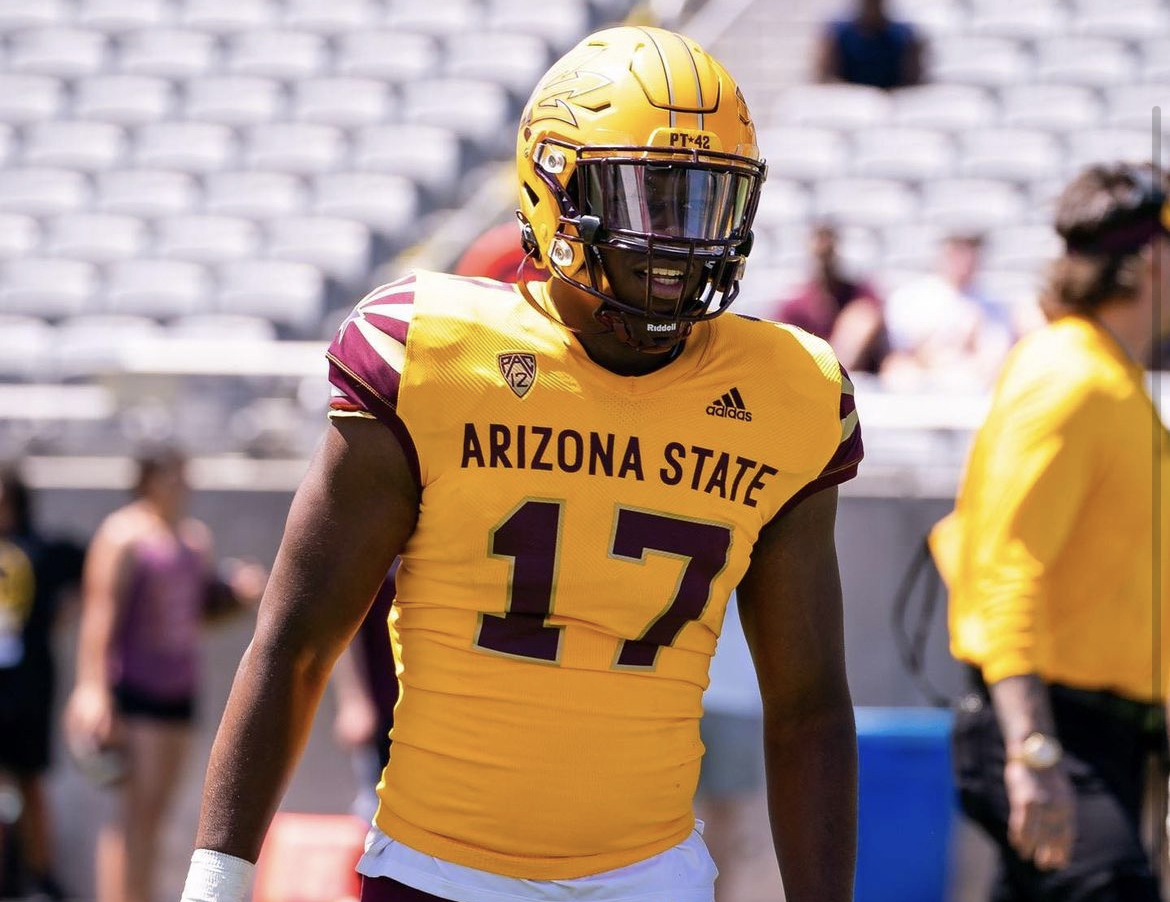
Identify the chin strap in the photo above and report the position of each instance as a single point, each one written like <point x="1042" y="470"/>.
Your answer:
<point x="540" y="308"/>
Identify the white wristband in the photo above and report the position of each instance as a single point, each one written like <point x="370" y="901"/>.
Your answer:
<point x="216" y="877"/>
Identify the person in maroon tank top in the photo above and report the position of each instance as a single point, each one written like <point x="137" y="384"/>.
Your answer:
<point x="149" y="582"/>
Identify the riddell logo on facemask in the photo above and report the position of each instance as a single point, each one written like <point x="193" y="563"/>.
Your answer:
<point x="730" y="406"/>
<point x="661" y="327"/>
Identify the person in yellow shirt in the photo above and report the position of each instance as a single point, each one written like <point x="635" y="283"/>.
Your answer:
<point x="575" y="473"/>
<point x="1052" y="566"/>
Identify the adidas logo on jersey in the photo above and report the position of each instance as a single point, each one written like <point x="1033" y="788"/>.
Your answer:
<point x="730" y="406"/>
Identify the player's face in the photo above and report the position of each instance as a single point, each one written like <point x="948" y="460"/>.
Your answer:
<point x="167" y="487"/>
<point x="664" y="285"/>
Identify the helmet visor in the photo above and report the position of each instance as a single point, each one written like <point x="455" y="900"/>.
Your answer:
<point x="668" y="201"/>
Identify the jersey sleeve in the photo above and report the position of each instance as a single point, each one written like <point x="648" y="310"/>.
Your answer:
<point x="842" y="466"/>
<point x="368" y="357"/>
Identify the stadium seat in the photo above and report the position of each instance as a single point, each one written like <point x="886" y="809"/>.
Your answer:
<point x="979" y="60"/>
<point x="782" y="203"/>
<point x="947" y="107"/>
<point x="146" y="193"/>
<point x="168" y="53"/>
<point x="340" y="248"/>
<point x="96" y="237"/>
<point x="1054" y="107"/>
<point x="90" y="344"/>
<point x="288" y="294"/>
<point x="303" y="148"/>
<point x="18" y="14"/>
<point x="283" y="54"/>
<point x="124" y="99"/>
<point x="27" y="349"/>
<point x="29" y="98"/>
<point x="343" y="102"/>
<point x="332" y="18"/>
<point x="911" y="154"/>
<point x="256" y="195"/>
<point x="42" y="192"/>
<point x="936" y="18"/>
<point x="1025" y="247"/>
<point x="63" y="52"/>
<point x="1155" y="55"/>
<point x="20" y="235"/>
<point x="477" y="110"/>
<point x="122" y="16"/>
<point x="50" y="288"/>
<point x="209" y="239"/>
<point x="837" y="106"/>
<point x="1132" y="106"/>
<point x="870" y="202"/>
<point x="394" y="56"/>
<point x="912" y="246"/>
<point x="562" y="24"/>
<point x="388" y="204"/>
<point x="222" y="327"/>
<point x="439" y="19"/>
<point x="7" y="143"/>
<point x="971" y="204"/>
<point x="1017" y="154"/>
<point x="1101" y="145"/>
<point x="1133" y="20"/>
<point x="804" y="152"/>
<point x="89" y="146"/>
<point x="160" y="289"/>
<point x="233" y="100"/>
<point x="1095" y="62"/>
<point x="196" y="147"/>
<point x="1024" y="19"/>
<point x="512" y="59"/>
<point x="427" y="154"/>
<point x="225" y="17"/>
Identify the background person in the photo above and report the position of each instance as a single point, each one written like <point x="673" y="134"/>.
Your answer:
<point x="35" y="575"/>
<point x="149" y="584"/>
<point x="1049" y="557"/>
<point x="844" y="312"/>
<point x="869" y="48"/>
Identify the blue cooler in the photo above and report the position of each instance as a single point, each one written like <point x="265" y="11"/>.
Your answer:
<point x="906" y="804"/>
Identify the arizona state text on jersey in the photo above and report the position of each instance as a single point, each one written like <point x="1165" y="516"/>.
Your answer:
<point x="578" y="537"/>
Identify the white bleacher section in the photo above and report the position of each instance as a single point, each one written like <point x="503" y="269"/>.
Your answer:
<point x="179" y="174"/>
<point x="208" y="166"/>
<point x="1022" y="94"/>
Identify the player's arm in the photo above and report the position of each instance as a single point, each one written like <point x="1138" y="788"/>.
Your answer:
<point x="790" y="604"/>
<point x="351" y="516"/>
<point x="89" y="714"/>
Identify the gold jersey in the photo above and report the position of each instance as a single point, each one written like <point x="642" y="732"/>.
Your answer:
<point x="578" y="537"/>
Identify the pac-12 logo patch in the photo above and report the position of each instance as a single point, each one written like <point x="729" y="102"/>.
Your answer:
<point x="519" y="371"/>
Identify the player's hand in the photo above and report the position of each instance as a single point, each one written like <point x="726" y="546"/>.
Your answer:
<point x="247" y="579"/>
<point x="89" y="718"/>
<point x="1042" y="823"/>
<point x="356" y="721"/>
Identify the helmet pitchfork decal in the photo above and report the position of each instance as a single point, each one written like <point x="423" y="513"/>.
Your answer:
<point x="519" y="371"/>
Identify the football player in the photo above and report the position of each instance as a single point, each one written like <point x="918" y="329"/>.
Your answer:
<point x="576" y="473"/>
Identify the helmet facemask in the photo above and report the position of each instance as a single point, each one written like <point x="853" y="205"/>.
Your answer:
<point x="660" y="235"/>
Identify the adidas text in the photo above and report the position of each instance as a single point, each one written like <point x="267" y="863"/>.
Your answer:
<point x="730" y="413"/>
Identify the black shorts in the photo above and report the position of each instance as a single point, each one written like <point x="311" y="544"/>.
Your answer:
<point x="24" y="741"/>
<point x="133" y="702"/>
<point x="26" y="720"/>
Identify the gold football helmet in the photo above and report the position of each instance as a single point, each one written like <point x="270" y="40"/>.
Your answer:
<point x="636" y="153"/>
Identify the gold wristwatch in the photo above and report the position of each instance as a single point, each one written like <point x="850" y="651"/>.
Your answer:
<point x="1038" y="751"/>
